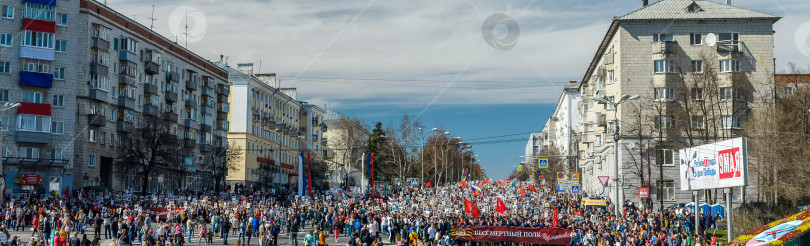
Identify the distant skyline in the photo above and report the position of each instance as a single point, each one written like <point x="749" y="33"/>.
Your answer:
<point x="378" y="60"/>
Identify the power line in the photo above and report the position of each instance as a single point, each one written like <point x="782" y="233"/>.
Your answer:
<point x="420" y="80"/>
<point x="426" y="86"/>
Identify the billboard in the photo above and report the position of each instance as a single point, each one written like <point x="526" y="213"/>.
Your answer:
<point x="717" y="165"/>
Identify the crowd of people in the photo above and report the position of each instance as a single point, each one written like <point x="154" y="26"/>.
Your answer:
<point x="402" y="216"/>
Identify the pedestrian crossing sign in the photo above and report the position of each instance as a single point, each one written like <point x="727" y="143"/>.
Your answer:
<point x="542" y="162"/>
<point x="574" y="189"/>
<point x="414" y="181"/>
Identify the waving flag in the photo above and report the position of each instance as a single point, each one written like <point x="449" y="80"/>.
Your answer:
<point x="463" y="184"/>
<point x="478" y="167"/>
<point x="522" y="192"/>
<point x="476" y="191"/>
<point x="470" y="207"/>
<point x="428" y="184"/>
<point x="464" y="175"/>
<point x="486" y="181"/>
<point x="533" y="189"/>
<point x="555" y="217"/>
<point x="500" y="207"/>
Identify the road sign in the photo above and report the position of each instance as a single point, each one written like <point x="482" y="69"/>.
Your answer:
<point x="560" y="189"/>
<point x="520" y="168"/>
<point x="643" y="192"/>
<point x="575" y="189"/>
<point x="414" y="181"/>
<point x="574" y="176"/>
<point x="604" y="180"/>
<point x="560" y="175"/>
<point x="542" y="162"/>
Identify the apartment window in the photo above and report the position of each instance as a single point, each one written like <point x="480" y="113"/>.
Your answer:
<point x="59" y="73"/>
<point x="788" y="91"/>
<point x="668" y="157"/>
<point x="35" y="65"/>
<point x="725" y="93"/>
<point x="103" y="138"/>
<point x="728" y="37"/>
<point x="8" y="12"/>
<point x="29" y="153"/>
<point x="4" y="121"/>
<point x="38" y="11"/>
<point x="727" y="66"/>
<point x="695" y="39"/>
<point x="4" y="67"/>
<point x="56" y="154"/>
<point x="91" y="161"/>
<point x="663" y="93"/>
<point x="32" y="97"/>
<point x="57" y="127"/>
<point x="697" y="66"/>
<point x="598" y="140"/>
<point x="662" y="66"/>
<point x="667" y="190"/>
<point x="727" y="121"/>
<point x="61" y="19"/>
<point x="93" y="136"/>
<point x="5" y="39"/>
<point x="611" y="127"/>
<point x="99" y="82"/>
<point x="58" y="101"/>
<point x="697" y="94"/>
<point x="37" y="39"/>
<point x="34" y="123"/>
<point x="609" y="106"/>
<point x="3" y="95"/>
<point x="129" y="44"/>
<point x="663" y="37"/>
<point x="61" y="46"/>
<point x="610" y="77"/>
<point x="698" y="122"/>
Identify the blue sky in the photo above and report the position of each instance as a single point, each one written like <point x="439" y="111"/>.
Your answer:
<point x="380" y="59"/>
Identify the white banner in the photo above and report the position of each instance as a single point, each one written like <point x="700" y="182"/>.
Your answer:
<point x="718" y="165"/>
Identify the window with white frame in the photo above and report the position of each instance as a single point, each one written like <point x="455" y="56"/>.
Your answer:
<point x="610" y="77"/>
<point x="61" y="19"/>
<point x="698" y="122"/>
<point x="598" y="140"/>
<point x="5" y="67"/>
<point x="3" y="95"/>
<point x="663" y="121"/>
<point x="32" y="97"/>
<point x="663" y="37"/>
<point x="58" y="127"/>
<point x="788" y="90"/>
<point x="4" y="121"/>
<point x="129" y="44"/>
<point x="8" y="12"/>
<point x="609" y="106"/>
<point x="34" y="123"/>
<point x="38" y="11"/>
<point x="697" y="66"/>
<point x="59" y="73"/>
<point x="667" y="190"/>
<point x="61" y="46"/>
<point x="35" y="65"/>
<point x="91" y="160"/>
<point x="725" y="93"/>
<point x="6" y="39"/>
<point x="695" y="39"/>
<point x="93" y="136"/>
<point x="697" y="94"/>
<point x="668" y="157"/>
<point x="58" y="101"/>
<point x="727" y="121"/>
<point x="99" y="82"/>
<point x="662" y="66"/>
<point x="56" y="154"/>
<point x="29" y="153"/>
<point x="37" y="39"/>
<point x="663" y="93"/>
<point x="729" y="65"/>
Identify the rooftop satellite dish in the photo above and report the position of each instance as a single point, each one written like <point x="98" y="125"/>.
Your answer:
<point x="711" y="39"/>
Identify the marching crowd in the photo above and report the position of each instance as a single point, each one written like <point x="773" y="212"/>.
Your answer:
<point x="403" y="216"/>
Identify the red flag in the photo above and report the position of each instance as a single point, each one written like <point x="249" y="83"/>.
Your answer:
<point x="67" y="192"/>
<point x="555" y="216"/>
<point x="463" y="184"/>
<point x="500" y="207"/>
<point x="533" y="189"/>
<point x="486" y="181"/>
<point x="522" y="192"/>
<point x="470" y="207"/>
<point x="477" y="167"/>
<point x="4" y="192"/>
<point x="428" y="184"/>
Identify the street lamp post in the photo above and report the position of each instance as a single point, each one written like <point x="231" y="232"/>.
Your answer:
<point x="422" y="180"/>
<point x="5" y="107"/>
<point x="616" y="137"/>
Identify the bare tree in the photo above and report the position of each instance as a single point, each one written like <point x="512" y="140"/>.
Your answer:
<point x="219" y="162"/>
<point x="151" y="146"/>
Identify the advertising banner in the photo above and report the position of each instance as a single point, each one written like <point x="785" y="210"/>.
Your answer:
<point x="717" y="165"/>
<point x="553" y="236"/>
<point x="31" y="179"/>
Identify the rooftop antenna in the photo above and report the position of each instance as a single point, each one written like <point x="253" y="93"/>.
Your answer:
<point x="260" y="66"/>
<point x="186" y="32"/>
<point x="152" y="26"/>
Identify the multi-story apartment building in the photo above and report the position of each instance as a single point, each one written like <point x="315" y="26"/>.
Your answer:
<point x="271" y="127"/>
<point x="671" y="53"/>
<point x="560" y="129"/>
<point x="345" y="142"/>
<point x="532" y="147"/>
<point x="89" y="78"/>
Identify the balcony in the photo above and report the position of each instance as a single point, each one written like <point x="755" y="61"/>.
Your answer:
<point x="191" y="85"/>
<point x="151" y="68"/>
<point x="169" y="139"/>
<point x="205" y="109"/>
<point x="222" y="98"/>
<point x="664" y="47"/>
<point x="729" y="46"/>
<point x="100" y="44"/>
<point x="98" y="68"/>
<point x="189" y="143"/>
<point x="126" y="55"/>
<point x="96" y="120"/>
<point x="205" y="127"/>
<point x="126" y="79"/>
<point x="126" y="102"/>
<point x="191" y="104"/>
<point x="33" y="137"/>
<point x="189" y="123"/>
<point x="44" y="80"/>
<point x="123" y="126"/>
<point x="173" y="76"/>
<point x="205" y="147"/>
<point x="98" y="94"/>
<point x="151" y="110"/>
<point x="39" y="25"/>
<point x="170" y="116"/>
<point x="224" y="90"/>
<point x="170" y="96"/>
<point x="221" y="115"/>
<point x="208" y="91"/>
<point x="150" y="88"/>
<point x="602" y="121"/>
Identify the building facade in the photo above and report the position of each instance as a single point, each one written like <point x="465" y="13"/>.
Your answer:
<point x="93" y="77"/>
<point x="696" y="66"/>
